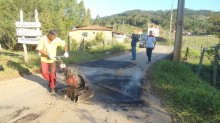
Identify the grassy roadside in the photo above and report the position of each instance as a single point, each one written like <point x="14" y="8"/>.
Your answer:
<point x="188" y="96"/>
<point x="14" y="65"/>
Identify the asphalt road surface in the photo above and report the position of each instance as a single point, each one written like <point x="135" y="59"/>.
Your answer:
<point x="121" y="95"/>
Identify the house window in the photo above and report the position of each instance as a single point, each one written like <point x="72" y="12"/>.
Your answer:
<point x="84" y="34"/>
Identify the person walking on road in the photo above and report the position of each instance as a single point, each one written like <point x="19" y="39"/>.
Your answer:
<point x="134" y="41"/>
<point x="150" y="45"/>
<point x="47" y="48"/>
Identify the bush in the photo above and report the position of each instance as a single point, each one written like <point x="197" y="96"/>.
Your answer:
<point x="192" y="53"/>
<point x="74" y="45"/>
<point x="161" y="39"/>
<point x="117" y="48"/>
<point x="99" y="37"/>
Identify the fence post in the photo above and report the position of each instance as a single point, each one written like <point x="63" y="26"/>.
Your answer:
<point x="201" y="49"/>
<point x="186" y="54"/>
<point x="215" y="65"/>
<point x="200" y="61"/>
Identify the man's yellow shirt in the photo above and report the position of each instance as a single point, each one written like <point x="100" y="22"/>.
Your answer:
<point x="50" y="48"/>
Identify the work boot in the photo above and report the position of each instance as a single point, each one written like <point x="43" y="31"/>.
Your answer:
<point x="52" y="91"/>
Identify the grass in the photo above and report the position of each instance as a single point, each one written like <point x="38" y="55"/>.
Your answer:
<point x="95" y="54"/>
<point x="199" y="41"/>
<point x="194" y="41"/>
<point x="190" y="97"/>
<point x="14" y="65"/>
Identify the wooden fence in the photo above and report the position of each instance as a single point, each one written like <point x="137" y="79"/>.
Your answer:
<point x="216" y="66"/>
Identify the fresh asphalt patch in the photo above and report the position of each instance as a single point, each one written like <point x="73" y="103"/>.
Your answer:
<point x="113" y="88"/>
<point x="110" y="64"/>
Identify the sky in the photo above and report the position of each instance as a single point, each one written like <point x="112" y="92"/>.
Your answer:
<point x="110" y="7"/>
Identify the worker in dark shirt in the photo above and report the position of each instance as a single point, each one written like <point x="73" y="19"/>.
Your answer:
<point x="134" y="41"/>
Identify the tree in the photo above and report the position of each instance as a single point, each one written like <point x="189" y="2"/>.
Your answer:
<point x="82" y="14"/>
<point x="97" y="20"/>
<point x="59" y="14"/>
<point x="215" y="28"/>
<point x="7" y="23"/>
<point x="87" y="18"/>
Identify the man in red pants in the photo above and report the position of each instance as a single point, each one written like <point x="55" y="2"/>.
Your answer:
<point x="47" y="48"/>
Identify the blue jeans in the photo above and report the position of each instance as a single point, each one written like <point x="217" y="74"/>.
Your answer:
<point x="133" y="51"/>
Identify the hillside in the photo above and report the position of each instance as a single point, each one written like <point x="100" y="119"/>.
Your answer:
<point x="196" y="21"/>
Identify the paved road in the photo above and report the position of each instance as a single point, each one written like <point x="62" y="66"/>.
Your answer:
<point x="120" y="95"/>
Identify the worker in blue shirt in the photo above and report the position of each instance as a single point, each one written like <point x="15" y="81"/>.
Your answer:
<point x="134" y="41"/>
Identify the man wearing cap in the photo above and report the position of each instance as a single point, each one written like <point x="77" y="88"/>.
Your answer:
<point x="47" y="48"/>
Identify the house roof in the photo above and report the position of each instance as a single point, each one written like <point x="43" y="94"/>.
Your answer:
<point x="95" y="27"/>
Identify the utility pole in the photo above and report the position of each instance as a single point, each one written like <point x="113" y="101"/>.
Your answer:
<point x="171" y="19"/>
<point x="179" y="31"/>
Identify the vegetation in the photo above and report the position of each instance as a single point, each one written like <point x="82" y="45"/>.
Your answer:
<point x="197" y="42"/>
<point x="64" y="14"/>
<point x="195" y="21"/>
<point x="215" y="28"/>
<point x="188" y="97"/>
<point x="59" y="14"/>
<point x="96" y="53"/>
<point x="14" y="65"/>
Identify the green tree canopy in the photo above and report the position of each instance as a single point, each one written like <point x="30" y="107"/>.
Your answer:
<point x="215" y="21"/>
<point x="59" y="14"/>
